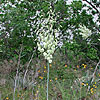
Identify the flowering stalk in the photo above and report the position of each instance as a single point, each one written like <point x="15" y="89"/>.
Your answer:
<point x="47" y="37"/>
<point x="47" y="81"/>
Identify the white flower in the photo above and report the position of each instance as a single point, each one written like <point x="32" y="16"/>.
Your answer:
<point x="37" y="13"/>
<point x="48" y="58"/>
<point x="50" y="36"/>
<point x="38" y="44"/>
<point x="42" y="50"/>
<point x="46" y="38"/>
<point x="10" y="3"/>
<point x="49" y="46"/>
<point x="48" y="51"/>
<point x="56" y="34"/>
<point x="51" y="56"/>
<point x="14" y="6"/>
<point x="45" y="54"/>
<point x="19" y="2"/>
<point x="53" y="49"/>
<point x="49" y="42"/>
<point x="45" y="46"/>
<point x="50" y="61"/>
<point x="6" y="5"/>
<point x="51" y="39"/>
<point x="39" y="48"/>
<point x="53" y="46"/>
<point x="41" y="36"/>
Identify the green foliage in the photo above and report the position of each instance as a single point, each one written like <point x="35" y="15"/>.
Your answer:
<point x="79" y="54"/>
<point x="92" y="53"/>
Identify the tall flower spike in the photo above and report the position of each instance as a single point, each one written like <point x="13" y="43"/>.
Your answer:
<point x="47" y="43"/>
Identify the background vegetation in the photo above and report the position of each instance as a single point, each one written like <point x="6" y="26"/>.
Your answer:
<point x="75" y="70"/>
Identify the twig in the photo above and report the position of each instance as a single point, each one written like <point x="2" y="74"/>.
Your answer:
<point x="95" y="71"/>
<point x="92" y="6"/>
<point x="27" y="69"/>
<point x="93" y="75"/>
<point x="17" y="73"/>
<point x="0" y="95"/>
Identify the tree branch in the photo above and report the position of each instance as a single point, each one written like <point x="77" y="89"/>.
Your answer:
<point x="92" y="6"/>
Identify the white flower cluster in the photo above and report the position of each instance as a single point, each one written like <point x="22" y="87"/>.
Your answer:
<point x="85" y="32"/>
<point x="47" y="46"/>
<point x="47" y="36"/>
